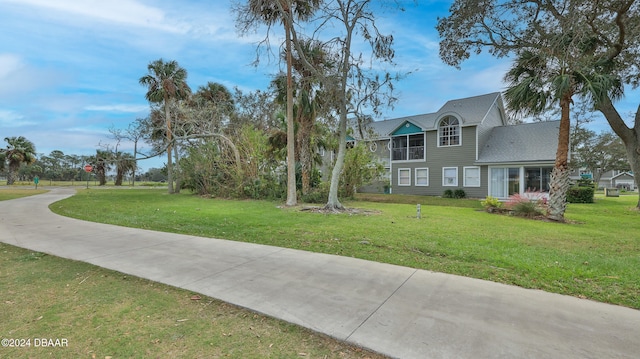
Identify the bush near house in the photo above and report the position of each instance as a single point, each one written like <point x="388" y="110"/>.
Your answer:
<point x="582" y="192"/>
<point x="578" y="194"/>
<point x="526" y="205"/>
<point x="491" y="204"/>
<point x="457" y="193"/>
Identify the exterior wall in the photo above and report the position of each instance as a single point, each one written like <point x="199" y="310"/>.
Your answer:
<point x="380" y="148"/>
<point x="436" y="159"/>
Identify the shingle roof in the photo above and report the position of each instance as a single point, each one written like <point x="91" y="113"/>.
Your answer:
<point x="529" y="142"/>
<point x="472" y="110"/>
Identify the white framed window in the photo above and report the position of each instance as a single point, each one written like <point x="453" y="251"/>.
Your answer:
<point x="450" y="176"/>
<point x="471" y="176"/>
<point x="449" y="132"/>
<point x="404" y="177"/>
<point x="422" y="177"/>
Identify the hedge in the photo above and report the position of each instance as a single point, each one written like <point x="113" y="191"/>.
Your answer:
<point x="580" y="195"/>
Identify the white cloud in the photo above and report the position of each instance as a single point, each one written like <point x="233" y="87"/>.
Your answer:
<point x="10" y="118"/>
<point x="123" y="12"/>
<point x="9" y="64"/>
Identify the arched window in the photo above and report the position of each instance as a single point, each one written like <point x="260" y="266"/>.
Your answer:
<point x="449" y="132"/>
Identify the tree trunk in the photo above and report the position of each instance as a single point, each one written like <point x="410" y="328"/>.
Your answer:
<point x="333" y="203"/>
<point x="597" y="175"/>
<point x="560" y="174"/>
<point x="167" y="118"/>
<point x="306" y="159"/>
<point x="11" y="174"/>
<point x="291" y="154"/>
<point x="101" y="173"/>
<point x="135" y="163"/>
<point x="630" y="137"/>
<point x="119" y="176"/>
<point x="176" y="173"/>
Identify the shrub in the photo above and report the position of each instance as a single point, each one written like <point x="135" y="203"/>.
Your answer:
<point x="525" y="205"/>
<point x="585" y="182"/>
<point x="580" y="195"/>
<point x="491" y="203"/>
<point x="459" y="193"/>
<point x="316" y="195"/>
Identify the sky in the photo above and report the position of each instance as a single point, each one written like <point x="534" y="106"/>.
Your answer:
<point x="69" y="69"/>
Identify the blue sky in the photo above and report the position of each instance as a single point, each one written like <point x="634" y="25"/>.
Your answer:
<point x="69" y="69"/>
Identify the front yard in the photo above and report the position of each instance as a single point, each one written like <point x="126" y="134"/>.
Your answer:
<point x="595" y="257"/>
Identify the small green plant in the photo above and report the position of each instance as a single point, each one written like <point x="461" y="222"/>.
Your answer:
<point x="447" y="194"/>
<point x="459" y="193"/>
<point x="490" y="203"/>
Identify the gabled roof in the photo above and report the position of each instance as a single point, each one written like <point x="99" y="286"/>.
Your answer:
<point x="529" y="142"/>
<point x="630" y="174"/>
<point x="471" y="111"/>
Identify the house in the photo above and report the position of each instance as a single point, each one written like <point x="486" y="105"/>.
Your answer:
<point x="609" y="179"/>
<point x="467" y="144"/>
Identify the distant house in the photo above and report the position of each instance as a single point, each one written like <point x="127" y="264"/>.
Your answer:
<point x="610" y="179"/>
<point x="467" y="144"/>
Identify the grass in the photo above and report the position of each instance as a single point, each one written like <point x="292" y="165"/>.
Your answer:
<point x="106" y="314"/>
<point x="12" y="193"/>
<point x="596" y="257"/>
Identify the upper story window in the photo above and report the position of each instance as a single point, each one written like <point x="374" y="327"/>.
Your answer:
<point x="449" y="132"/>
<point x="409" y="147"/>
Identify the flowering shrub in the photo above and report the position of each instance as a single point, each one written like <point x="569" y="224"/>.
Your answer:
<point x="529" y="204"/>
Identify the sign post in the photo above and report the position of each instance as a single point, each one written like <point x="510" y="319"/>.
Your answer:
<point x="88" y="168"/>
<point x="36" y="180"/>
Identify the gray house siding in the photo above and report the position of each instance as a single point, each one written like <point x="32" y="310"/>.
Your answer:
<point x="381" y="150"/>
<point x="487" y="145"/>
<point x="437" y="158"/>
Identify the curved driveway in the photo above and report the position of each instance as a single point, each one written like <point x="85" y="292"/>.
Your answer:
<point x="398" y="311"/>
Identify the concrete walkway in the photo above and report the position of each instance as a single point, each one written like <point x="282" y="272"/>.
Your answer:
<point x="397" y="311"/>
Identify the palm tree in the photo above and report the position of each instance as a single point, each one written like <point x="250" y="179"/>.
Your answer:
<point x="103" y="162"/>
<point x="284" y="11"/>
<point x="19" y="150"/>
<point x="535" y="82"/>
<point x="308" y="104"/>
<point x="166" y="83"/>
<point x="212" y="105"/>
<point x="125" y="163"/>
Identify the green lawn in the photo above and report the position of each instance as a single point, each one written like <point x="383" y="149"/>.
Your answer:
<point x="17" y="192"/>
<point x="101" y="314"/>
<point x="597" y="256"/>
